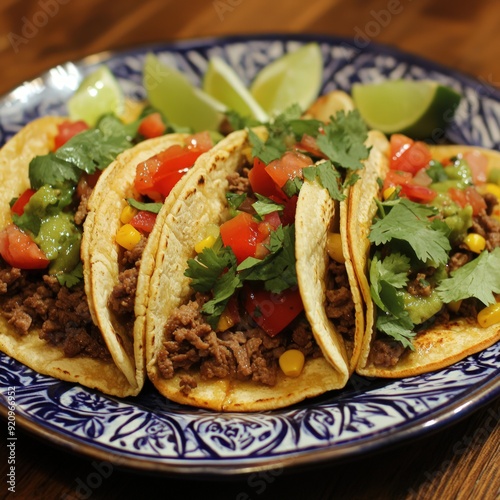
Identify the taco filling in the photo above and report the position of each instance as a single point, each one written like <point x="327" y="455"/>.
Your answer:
<point x="245" y="319"/>
<point x="154" y="180"/>
<point x="41" y="271"/>
<point x="435" y="256"/>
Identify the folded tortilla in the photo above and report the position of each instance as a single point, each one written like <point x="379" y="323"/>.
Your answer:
<point x="35" y="139"/>
<point x="435" y="347"/>
<point x="101" y="254"/>
<point x="202" y="202"/>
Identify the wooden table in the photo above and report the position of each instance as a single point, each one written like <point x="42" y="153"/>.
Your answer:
<point x="460" y="461"/>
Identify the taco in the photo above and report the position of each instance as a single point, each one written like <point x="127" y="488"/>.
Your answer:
<point x="227" y="322"/>
<point x="48" y="172"/>
<point x="424" y="237"/>
<point x="119" y="244"/>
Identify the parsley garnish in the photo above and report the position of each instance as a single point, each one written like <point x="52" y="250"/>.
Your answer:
<point x="264" y="206"/>
<point x="234" y="200"/>
<point x="409" y="222"/>
<point x="215" y="270"/>
<point x="343" y="141"/>
<point x="327" y="176"/>
<point x="148" y="207"/>
<point x="479" y="278"/>
<point x="87" y="151"/>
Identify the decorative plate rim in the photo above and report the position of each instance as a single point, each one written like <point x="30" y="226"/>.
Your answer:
<point x="431" y="421"/>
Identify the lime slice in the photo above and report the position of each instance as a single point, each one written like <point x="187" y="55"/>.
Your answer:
<point x="183" y="104"/>
<point x="294" y="78"/>
<point x="98" y="94"/>
<point x="223" y="83"/>
<point x="415" y="108"/>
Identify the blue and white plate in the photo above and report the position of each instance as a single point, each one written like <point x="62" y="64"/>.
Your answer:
<point x="150" y="433"/>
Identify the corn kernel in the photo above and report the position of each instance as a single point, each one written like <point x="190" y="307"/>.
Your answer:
<point x="128" y="236"/>
<point x="388" y="192"/>
<point x="490" y="315"/>
<point x="226" y="321"/>
<point x="334" y="247"/>
<point x="292" y="362"/>
<point x="493" y="189"/>
<point x="127" y="214"/>
<point x="207" y="242"/>
<point x="475" y="242"/>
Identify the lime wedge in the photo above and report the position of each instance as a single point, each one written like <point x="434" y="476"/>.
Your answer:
<point x="99" y="93"/>
<point x="294" y="78"/>
<point x="223" y="83"/>
<point x="183" y="104"/>
<point x="415" y="108"/>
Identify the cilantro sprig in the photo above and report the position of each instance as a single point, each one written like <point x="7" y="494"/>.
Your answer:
<point x="479" y="278"/>
<point x="410" y="222"/>
<point x="88" y="151"/>
<point x="216" y="270"/>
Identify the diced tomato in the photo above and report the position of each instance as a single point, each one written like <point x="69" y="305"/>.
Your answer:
<point x="308" y="143"/>
<point x="201" y="141"/>
<point x="408" y="155"/>
<point x="19" y="250"/>
<point x="288" y="167"/>
<point x="270" y="223"/>
<point x="20" y="203"/>
<point x="418" y="194"/>
<point x="262" y="183"/>
<point x="478" y="163"/>
<point x="396" y="178"/>
<point x="143" y="221"/>
<point x="152" y="126"/>
<point x="241" y="233"/>
<point x="68" y="129"/>
<point x="157" y="176"/>
<point x="468" y="196"/>
<point x="271" y="311"/>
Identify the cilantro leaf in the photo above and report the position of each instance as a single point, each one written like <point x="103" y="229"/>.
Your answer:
<point x="408" y="221"/>
<point x="389" y="272"/>
<point x="206" y="268"/>
<point x="292" y="186"/>
<point x="235" y="200"/>
<point x="85" y="152"/>
<point x="327" y="176"/>
<point x="344" y="140"/>
<point x="239" y="122"/>
<point x="96" y="148"/>
<point x="224" y="289"/>
<point x="51" y="170"/>
<point x="264" y="206"/>
<point x="305" y="127"/>
<point x="479" y="278"/>
<point x="400" y="329"/>
<point x="277" y="270"/>
<point x="72" y="278"/>
<point x="148" y="207"/>
<point x="266" y="152"/>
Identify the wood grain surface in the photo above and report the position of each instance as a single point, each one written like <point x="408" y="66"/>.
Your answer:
<point x="460" y="461"/>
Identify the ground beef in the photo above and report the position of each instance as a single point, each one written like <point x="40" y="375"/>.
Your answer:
<point x="419" y="283"/>
<point x="61" y="315"/>
<point x="489" y="228"/>
<point x="458" y="259"/>
<point x="339" y="304"/>
<point x="83" y="192"/>
<point x="122" y="298"/>
<point x="244" y="353"/>
<point x="386" y="353"/>
<point x="239" y="183"/>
